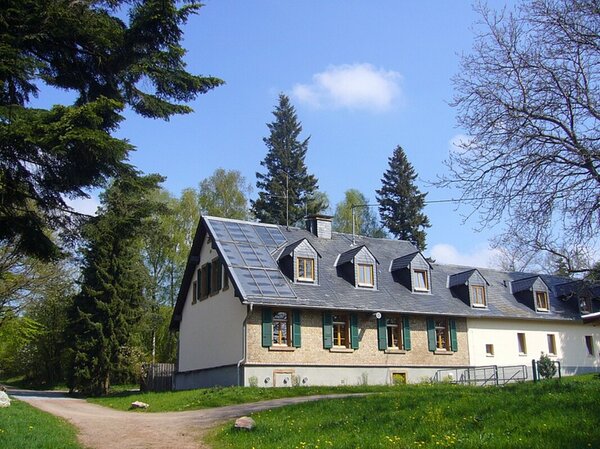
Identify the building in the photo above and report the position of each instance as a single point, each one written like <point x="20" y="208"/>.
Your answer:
<point x="270" y="306"/>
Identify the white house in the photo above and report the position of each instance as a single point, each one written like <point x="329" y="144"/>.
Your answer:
<point x="271" y="306"/>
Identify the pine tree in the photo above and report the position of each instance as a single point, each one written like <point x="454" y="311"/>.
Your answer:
<point x="111" y="297"/>
<point x="287" y="176"/>
<point x="400" y="201"/>
<point x="109" y="55"/>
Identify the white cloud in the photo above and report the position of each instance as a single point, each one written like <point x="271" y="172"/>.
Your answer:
<point x="483" y="256"/>
<point x="459" y="143"/>
<point x="356" y="86"/>
<point x="87" y="206"/>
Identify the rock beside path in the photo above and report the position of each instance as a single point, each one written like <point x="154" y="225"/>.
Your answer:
<point x="4" y="400"/>
<point x="245" y="423"/>
<point x="139" y="404"/>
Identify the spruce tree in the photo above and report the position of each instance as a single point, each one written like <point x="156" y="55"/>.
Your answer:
<point x="109" y="55"/>
<point x="287" y="177"/>
<point x="111" y="297"/>
<point x="401" y="203"/>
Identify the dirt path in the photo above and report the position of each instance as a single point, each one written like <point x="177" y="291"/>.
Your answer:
<point x="105" y="428"/>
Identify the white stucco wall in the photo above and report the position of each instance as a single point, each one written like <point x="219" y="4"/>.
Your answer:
<point x="211" y="331"/>
<point x="571" y="348"/>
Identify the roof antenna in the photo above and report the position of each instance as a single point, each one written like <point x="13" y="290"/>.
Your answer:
<point x="352" y="207"/>
<point x="287" y="201"/>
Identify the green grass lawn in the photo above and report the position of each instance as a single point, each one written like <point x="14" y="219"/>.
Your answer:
<point x="550" y="414"/>
<point x="25" y="427"/>
<point x="217" y="397"/>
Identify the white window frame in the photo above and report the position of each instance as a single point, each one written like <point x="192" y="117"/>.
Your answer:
<point x="422" y="275"/>
<point x="552" y="349"/>
<point x="521" y="343"/>
<point x="543" y="293"/>
<point x="472" y="290"/>
<point x="371" y="270"/>
<point x="304" y="260"/>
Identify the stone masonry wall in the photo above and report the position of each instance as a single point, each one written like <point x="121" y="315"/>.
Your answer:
<point x="368" y="354"/>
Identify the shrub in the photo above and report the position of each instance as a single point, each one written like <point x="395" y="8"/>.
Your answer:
<point x="546" y="367"/>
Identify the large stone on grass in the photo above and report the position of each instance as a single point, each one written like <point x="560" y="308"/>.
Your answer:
<point x="139" y="404"/>
<point x="4" y="400"/>
<point x="245" y="423"/>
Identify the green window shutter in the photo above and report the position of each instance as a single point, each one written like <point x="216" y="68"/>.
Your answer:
<point x="327" y="331"/>
<point x="199" y="284"/>
<point x="296" y="329"/>
<point x="453" y="339"/>
<point x="218" y="275"/>
<point x="354" y="331"/>
<point x="406" y="333"/>
<point x="381" y="334"/>
<point x="267" y="327"/>
<point x="208" y="278"/>
<point x="431" y="334"/>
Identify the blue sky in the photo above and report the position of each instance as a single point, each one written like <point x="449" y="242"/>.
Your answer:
<point x="363" y="76"/>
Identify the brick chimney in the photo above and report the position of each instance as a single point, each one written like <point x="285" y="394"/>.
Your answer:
<point x="319" y="225"/>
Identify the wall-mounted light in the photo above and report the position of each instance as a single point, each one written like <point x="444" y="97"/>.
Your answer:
<point x="377" y="315"/>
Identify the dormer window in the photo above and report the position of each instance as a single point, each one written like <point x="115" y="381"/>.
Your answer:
<point x="420" y="280"/>
<point x="541" y="301"/>
<point x="298" y="262"/>
<point x="413" y="271"/>
<point x="533" y="292"/>
<point x="470" y="287"/>
<point x="365" y="275"/>
<point x="478" y="298"/>
<point x="305" y="269"/>
<point x="358" y="267"/>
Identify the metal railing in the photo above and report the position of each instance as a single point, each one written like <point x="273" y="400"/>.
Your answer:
<point x="482" y="375"/>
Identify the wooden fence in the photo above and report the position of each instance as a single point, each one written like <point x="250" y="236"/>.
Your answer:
<point x="157" y="377"/>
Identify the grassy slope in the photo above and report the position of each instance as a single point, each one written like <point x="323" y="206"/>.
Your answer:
<point x="217" y="397"/>
<point x="24" y="427"/>
<point x="548" y="415"/>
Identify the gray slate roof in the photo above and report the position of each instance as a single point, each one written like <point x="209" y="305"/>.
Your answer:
<point x="462" y="277"/>
<point x="403" y="261"/>
<point x="335" y="292"/>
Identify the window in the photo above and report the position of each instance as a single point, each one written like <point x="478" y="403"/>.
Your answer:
<point x="340" y="330"/>
<point x="489" y="350"/>
<point x="421" y="281"/>
<point x="398" y="378"/>
<point x="365" y="275"/>
<point x="589" y="344"/>
<point x="478" y="296"/>
<point x="394" y="333"/>
<point x="541" y="300"/>
<point x="551" y="344"/>
<point x="521" y="343"/>
<point x="194" y="292"/>
<point x="442" y="335"/>
<point x="281" y="328"/>
<point x="306" y="269"/>
<point x="442" y="339"/>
